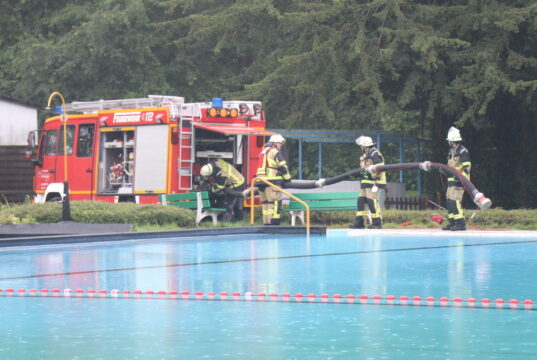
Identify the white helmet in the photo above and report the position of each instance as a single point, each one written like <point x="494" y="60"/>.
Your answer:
<point x="206" y="170"/>
<point x="453" y="134"/>
<point x="364" y="141"/>
<point x="277" y="138"/>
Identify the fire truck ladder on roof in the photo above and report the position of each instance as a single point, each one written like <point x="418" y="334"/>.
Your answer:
<point x="186" y="152"/>
<point x="172" y="102"/>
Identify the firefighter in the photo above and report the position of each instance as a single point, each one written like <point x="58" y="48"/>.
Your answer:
<point x="273" y="168"/>
<point x="370" y="185"/>
<point x="458" y="158"/>
<point x="226" y="184"/>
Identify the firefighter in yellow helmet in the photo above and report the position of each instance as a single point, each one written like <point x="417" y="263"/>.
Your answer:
<point x="458" y="158"/>
<point x="273" y="168"/>
<point x="370" y="185"/>
<point x="226" y="184"/>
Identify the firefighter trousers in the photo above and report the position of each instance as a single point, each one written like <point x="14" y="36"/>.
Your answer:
<point x="271" y="203"/>
<point x="368" y="200"/>
<point x="454" y="196"/>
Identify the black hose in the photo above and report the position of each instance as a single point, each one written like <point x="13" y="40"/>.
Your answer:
<point x="300" y="184"/>
<point x="478" y="197"/>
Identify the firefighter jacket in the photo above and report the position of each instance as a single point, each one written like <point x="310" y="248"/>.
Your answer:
<point x="225" y="176"/>
<point x="273" y="166"/>
<point x="373" y="157"/>
<point x="459" y="158"/>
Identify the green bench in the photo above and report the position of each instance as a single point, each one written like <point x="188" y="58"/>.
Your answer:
<point x="197" y="201"/>
<point x="328" y="201"/>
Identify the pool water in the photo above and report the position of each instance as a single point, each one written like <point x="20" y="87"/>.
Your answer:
<point x="79" y="326"/>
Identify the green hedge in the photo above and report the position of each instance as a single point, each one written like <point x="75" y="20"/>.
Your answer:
<point x="98" y="212"/>
<point x="170" y="217"/>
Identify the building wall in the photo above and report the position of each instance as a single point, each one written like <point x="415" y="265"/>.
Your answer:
<point x="16" y="174"/>
<point x="16" y="120"/>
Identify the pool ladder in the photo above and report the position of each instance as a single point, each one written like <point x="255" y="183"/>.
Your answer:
<point x="277" y="188"/>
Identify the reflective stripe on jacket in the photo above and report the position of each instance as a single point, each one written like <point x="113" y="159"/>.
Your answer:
<point x="273" y="165"/>
<point x="459" y="158"/>
<point x="226" y="176"/>
<point x="373" y="157"/>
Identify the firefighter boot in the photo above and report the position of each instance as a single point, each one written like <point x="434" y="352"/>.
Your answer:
<point x="358" y="223"/>
<point x="460" y="225"/>
<point x="449" y="225"/>
<point x="376" y="223"/>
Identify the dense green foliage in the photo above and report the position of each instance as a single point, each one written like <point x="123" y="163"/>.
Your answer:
<point x="96" y="212"/>
<point x="412" y="67"/>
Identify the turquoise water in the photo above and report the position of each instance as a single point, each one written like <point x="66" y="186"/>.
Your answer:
<point x="153" y="327"/>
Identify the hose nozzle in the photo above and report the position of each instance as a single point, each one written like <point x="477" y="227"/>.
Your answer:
<point x="372" y="169"/>
<point x="483" y="202"/>
<point x="425" y="166"/>
<point x="320" y="183"/>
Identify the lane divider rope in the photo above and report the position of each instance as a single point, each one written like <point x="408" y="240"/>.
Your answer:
<point x="499" y="303"/>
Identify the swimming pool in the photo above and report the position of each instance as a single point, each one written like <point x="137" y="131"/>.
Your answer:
<point x="304" y="313"/>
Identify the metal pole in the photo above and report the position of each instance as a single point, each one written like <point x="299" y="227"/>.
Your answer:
<point x="66" y="208"/>
<point x="419" y="172"/>
<point x="320" y="162"/>
<point x="401" y="159"/>
<point x="300" y="158"/>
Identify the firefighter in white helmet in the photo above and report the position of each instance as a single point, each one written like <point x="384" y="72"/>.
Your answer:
<point x="458" y="158"/>
<point x="226" y="185"/>
<point x="273" y="168"/>
<point x="370" y="185"/>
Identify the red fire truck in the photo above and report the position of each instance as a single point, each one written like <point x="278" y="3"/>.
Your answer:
<point x="134" y="149"/>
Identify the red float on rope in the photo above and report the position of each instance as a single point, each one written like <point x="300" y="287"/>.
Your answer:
<point x="403" y="300"/>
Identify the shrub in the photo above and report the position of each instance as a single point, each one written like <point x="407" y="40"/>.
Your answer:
<point x="99" y="212"/>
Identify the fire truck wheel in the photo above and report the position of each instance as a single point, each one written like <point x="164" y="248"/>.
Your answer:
<point x="55" y="198"/>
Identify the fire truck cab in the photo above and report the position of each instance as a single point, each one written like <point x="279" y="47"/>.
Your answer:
<point x="135" y="149"/>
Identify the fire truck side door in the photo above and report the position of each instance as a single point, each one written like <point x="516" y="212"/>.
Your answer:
<point x="151" y="154"/>
<point x="46" y="172"/>
<point x="81" y="168"/>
